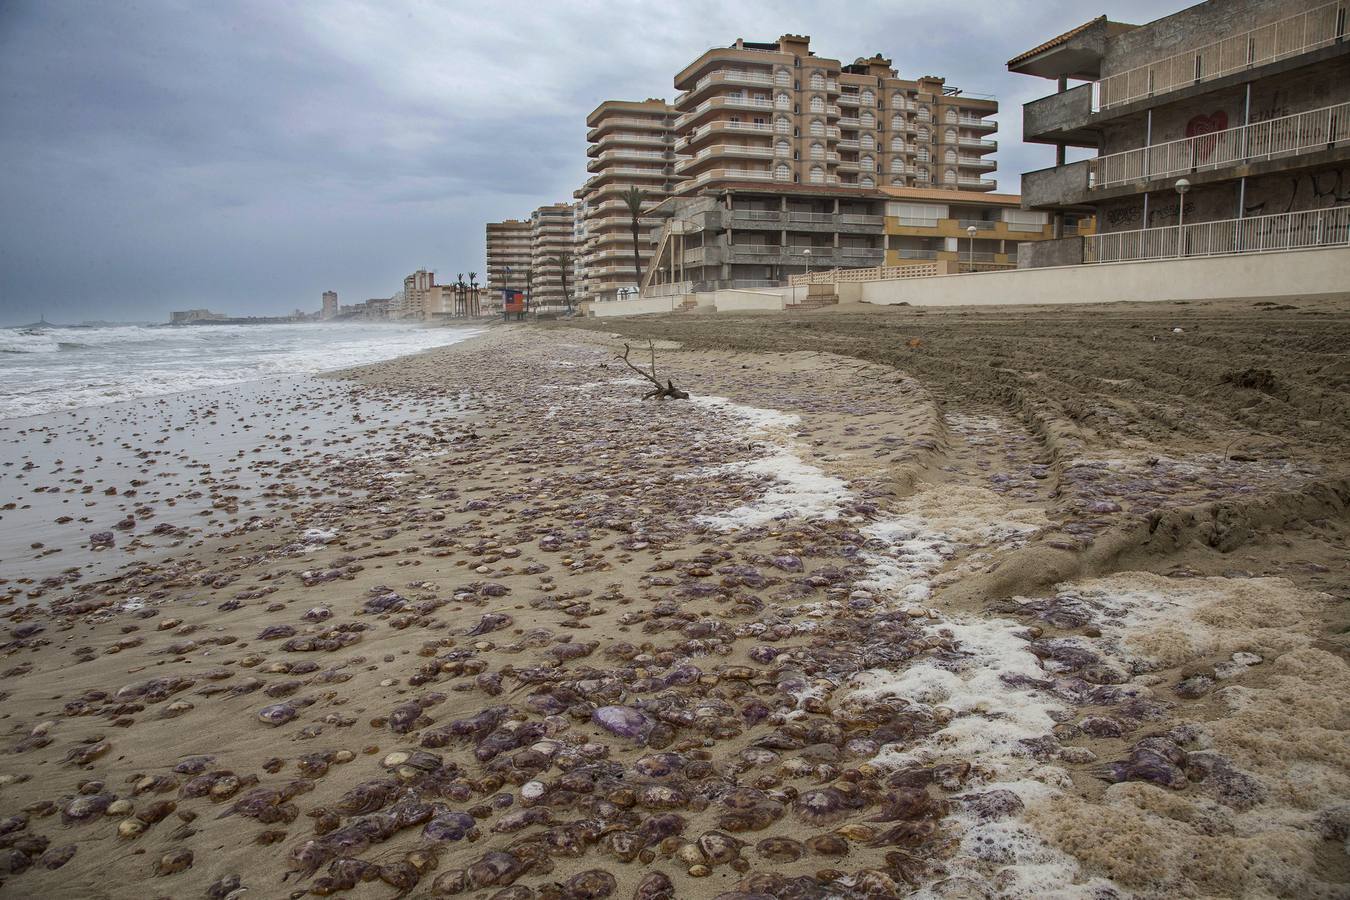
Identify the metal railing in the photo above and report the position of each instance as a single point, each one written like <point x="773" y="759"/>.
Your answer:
<point x="1269" y="43"/>
<point x="1303" y="132"/>
<point x="669" y="289"/>
<point x="981" y="224"/>
<point x="1254" y="234"/>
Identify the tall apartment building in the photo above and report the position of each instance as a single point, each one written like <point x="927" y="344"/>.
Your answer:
<point x="776" y="113"/>
<point x="417" y="289"/>
<point x="330" y="305"/>
<point x="551" y="239"/>
<point x="508" y="258"/>
<point x="1224" y="128"/>
<point x="632" y="145"/>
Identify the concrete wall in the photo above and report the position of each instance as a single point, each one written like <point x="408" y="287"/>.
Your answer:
<point x="1058" y="185"/>
<point x="1057" y="112"/>
<point x="739" y="301"/>
<point x="1299" y="273"/>
<point x="639" y="307"/>
<point x="1039" y="254"/>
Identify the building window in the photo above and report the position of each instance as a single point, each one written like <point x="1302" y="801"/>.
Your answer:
<point x="897" y="165"/>
<point x="950" y="156"/>
<point x="817" y="81"/>
<point x="897" y="145"/>
<point x="868" y="97"/>
<point x="867" y="163"/>
<point x="817" y="128"/>
<point x="782" y="125"/>
<point x="868" y="120"/>
<point x="923" y="134"/>
<point x="817" y="175"/>
<point x="923" y="173"/>
<point x="924" y="114"/>
<point x="951" y="114"/>
<point x="951" y="135"/>
<point x="897" y="123"/>
<point x="897" y="101"/>
<point x="817" y="150"/>
<point x="782" y="148"/>
<point x="817" y="104"/>
<point x="900" y="181"/>
<point x="781" y="172"/>
<point x="783" y="101"/>
<point x="867" y="181"/>
<point x="782" y="78"/>
<point x="867" y="142"/>
<point x="950" y="176"/>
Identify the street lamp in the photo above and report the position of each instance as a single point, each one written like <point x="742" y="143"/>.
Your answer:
<point x="807" y="254"/>
<point x="970" y="252"/>
<point x="1182" y="187"/>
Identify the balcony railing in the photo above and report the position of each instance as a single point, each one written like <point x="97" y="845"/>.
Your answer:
<point x="724" y="103"/>
<point x="980" y="224"/>
<point x="976" y="182"/>
<point x="1254" y="234"/>
<point x="976" y="142"/>
<point x="727" y="77"/>
<point x="728" y="175"/>
<point x="1269" y="43"/>
<point x="1304" y="132"/>
<point x="756" y="127"/>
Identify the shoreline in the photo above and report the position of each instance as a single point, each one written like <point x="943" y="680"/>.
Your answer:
<point x="732" y="641"/>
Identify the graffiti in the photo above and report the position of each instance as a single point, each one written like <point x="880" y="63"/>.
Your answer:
<point x="1323" y="189"/>
<point x="1277" y="109"/>
<point x="1123" y="215"/>
<point x="1168" y="213"/>
<point x="1200" y="125"/>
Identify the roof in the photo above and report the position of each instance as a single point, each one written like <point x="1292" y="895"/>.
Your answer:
<point x="1055" y="41"/>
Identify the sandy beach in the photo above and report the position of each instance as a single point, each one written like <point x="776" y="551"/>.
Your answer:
<point x="959" y="604"/>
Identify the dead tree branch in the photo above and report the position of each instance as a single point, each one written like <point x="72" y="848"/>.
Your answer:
<point x="667" y="391"/>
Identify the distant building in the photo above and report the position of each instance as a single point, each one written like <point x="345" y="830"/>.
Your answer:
<point x="552" y="238"/>
<point x="416" y="290"/>
<point x="377" y="308"/>
<point x="1245" y="102"/>
<point x="508" y="258"/>
<point x="330" y="304"/>
<point x="188" y="316"/>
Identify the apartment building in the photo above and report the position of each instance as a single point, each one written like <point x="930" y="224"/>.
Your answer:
<point x="551" y="248"/>
<point x="330" y="305"/>
<point x="416" y="295"/>
<point x="509" y="246"/>
<point x="754" y="236"/>
<point x="1224" y="128"/>
<point x="631" y="145"/>
<point x="775" y="113"/>
<point x="925" y="225"/>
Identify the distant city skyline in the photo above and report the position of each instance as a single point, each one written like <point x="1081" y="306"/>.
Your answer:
<point x="250" y="156"/>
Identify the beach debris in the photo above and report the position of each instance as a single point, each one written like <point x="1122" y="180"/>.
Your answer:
<point x="666" y="391"/>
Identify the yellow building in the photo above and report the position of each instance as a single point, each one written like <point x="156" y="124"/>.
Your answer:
<point x="924" y="225"/>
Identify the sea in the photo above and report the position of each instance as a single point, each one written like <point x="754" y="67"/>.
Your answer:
<point x="53" y="369"/>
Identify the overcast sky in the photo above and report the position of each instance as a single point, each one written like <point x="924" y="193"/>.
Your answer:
<point x="247" y="156"/>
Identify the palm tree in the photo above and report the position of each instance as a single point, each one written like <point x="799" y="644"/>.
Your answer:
<point x="564" y="261"/>
<point x="470" y="307"/>
<point x="633" y="199"/>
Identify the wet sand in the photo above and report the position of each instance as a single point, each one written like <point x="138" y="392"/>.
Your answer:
<point x="837" y="627"/>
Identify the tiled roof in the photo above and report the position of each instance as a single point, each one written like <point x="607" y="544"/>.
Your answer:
<point x="1054" y="42"/>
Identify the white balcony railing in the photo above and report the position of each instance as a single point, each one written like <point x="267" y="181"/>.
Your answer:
<point x="1255" y="234"/>
<point x="1269" y="43"/>
<point x="724" y="103"/>
<point x="725" y="77"/>
<point x="1304" y="132"/>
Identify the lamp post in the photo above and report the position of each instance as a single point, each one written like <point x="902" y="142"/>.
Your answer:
<point x="970" y="250"/>
<point x="1182" y="187"/>
<point x="807" y="254"/>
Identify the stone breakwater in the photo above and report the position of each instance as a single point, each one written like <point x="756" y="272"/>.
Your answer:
<point x="566" y="644"/>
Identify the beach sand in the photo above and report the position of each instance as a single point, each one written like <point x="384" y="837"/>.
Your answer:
<point x="896" y="602"/>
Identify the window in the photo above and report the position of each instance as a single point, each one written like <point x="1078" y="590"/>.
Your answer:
<point x="950" y="156"/>
<point x="897" y="181"/>
<point x="867" y="181"/>
<point x="868" y="98"/>
<point x="897" y="145"/>
<point x="782" y="124"/>
<point x="949" y="177"/>
<point x="759" y="120"/>
<point x="782" y="148"/>
<point x="923" y="154"/>
<point x="817" y="81"/>
<point x="951" y="135"/>
<point x="782" y="78"/>
<point x="783" y="101"/>
<point x="817" y="175"/>
<point x="923" y="133"/>
<point x="924" y="114"/>
<point x="897" y="101"/>
<point x="817" y="104"/>
<point x="897" y="123"/>
<point x="817" y="150"/>
<point x="951" y="114"/>
<point x="867" y="142"/>
<point x="868" y="120"/>
<point x="867" y="163"/>
<point x="781" y="172"/>
<point x="923" y="173"/>
<point x="817" y="128"/>
<point x="897" y="165"/>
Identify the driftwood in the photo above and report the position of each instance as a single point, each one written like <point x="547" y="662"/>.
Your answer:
<point x="667" y="391"/>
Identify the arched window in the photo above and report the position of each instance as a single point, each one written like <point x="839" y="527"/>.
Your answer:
<point x="897" y="123"/>
<point x="923" y="154"/>
<point x="922" y="173"/>
<point x="897" y="165"/>
<point x="817" y="175"/>
<point x="897" y="101"/>
<point x="950" y="156"/>
<point x="817" y="128"/>
<point x="897" y="145"/>
<point x="951" y="135"/>
<point x="867" y="142"/>
<point x="817" y="104"/>
<point x="950" y="176"/>
<point x="924" y="114"/>
<point x="923" y="133"/>
<point x="782" y="125"/>
<point x="782" y="78"/>
<point x="781" y="172"/>
<point x="867" y="163"/>
<point x="897" y="181"/>
<point x="868" y="120"/>
<point x="783" y="101"/>
<point x="782" y="148"/>
<point x="817" y="150"/>
<point x="867" y="181"/>
<point x="817" y="81"/>
<point x="951" y="114"/>
<point x="868" y="97"/>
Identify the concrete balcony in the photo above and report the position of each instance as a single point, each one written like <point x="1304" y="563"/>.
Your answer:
<point x="1059" y="186"/>
<point x="1065" y="117"/>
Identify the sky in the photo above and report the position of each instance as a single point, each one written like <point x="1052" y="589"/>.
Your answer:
<point x="247" y="156"/>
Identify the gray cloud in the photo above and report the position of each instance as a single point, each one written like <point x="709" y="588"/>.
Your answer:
<point x="248" y="155"/>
